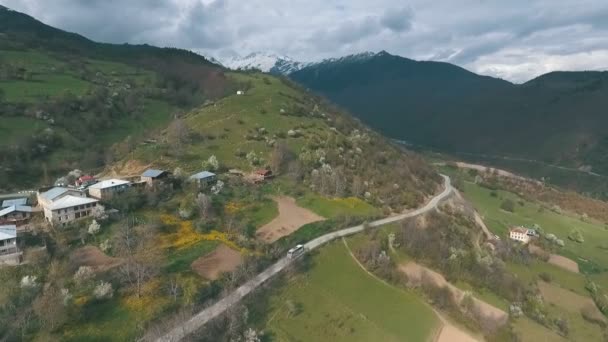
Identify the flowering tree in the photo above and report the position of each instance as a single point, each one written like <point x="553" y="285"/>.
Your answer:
<point x="212" y="163"/>
<point x="94" y="228"/>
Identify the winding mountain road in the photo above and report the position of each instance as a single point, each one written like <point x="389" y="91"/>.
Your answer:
<point x="206" y="315"/>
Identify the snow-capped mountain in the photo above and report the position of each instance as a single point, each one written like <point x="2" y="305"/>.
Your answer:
<point x="266" y="62"/>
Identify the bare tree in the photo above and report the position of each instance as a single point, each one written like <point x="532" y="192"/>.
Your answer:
<point x="135" y="244"/>
<point x="203" y="202"/>
<point x="281" y="156"/>
<point x="49" y="307"/>
<point x="178" y="134"/>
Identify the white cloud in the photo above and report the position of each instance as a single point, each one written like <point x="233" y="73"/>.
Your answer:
<point x="515" y="40"/>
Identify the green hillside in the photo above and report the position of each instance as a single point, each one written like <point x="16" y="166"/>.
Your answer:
<point x="558" y="118"/>
<point x="337" y="300"/>
<point x="56" y="88"/>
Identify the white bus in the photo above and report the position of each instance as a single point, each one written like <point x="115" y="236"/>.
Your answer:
<point x="296" y="252"/>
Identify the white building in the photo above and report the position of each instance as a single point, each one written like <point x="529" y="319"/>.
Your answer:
<point x="519" y="234"/>
<point x="106" y="189"/>
<point x="69" y="209"/>
<point x="9" y="253"/>
<point x="47" y="198"/>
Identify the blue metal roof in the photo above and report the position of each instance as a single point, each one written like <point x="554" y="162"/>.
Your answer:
<point x="16" y="201"/>
<point x="53" y="193"/>
<point x="152" y="173"/>
<point x="202" y="175"/>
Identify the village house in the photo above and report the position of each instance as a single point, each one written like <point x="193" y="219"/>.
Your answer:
<point x="14" y="201"/>
<point x="9" y="252"/>
<point x="519" y="234"/>
<point x="19" y="215"/>
<point x="47" y="198"/>
<point x="85" y="181"/>
<point x="69" y="209"/>
<point x="106" y="189"/>
<point x="152" y="176"/>
<point x="204" y="178"/>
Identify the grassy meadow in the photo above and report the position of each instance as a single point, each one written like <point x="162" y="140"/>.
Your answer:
<point x="592" y="253"/>
<point x="336" y="300"/>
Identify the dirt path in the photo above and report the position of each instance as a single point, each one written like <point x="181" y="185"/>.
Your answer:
<point x="291" y="218"/>
<point x="447" y="333"/>
<point x="222" y="259"/>
<point x="93" y="257"/>
<point x="418" y="275"/>
<point x="557" y="260"/>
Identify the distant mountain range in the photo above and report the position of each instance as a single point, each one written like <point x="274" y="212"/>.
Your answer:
<point x="280" y="64"/>
<point x="266" y="62"/>
<point x="558" y="118"/>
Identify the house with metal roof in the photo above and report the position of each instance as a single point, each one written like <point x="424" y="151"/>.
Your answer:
<point x="9" y="252"/>
<point x="203" y="178"/>
<point x="48" y="197"/>
<point x="106" y="189"/>
<point x="153" y="175"/>
<point x="18" y="215"/>
<point x="14" y="201"/>
<point x="69" y="209"/>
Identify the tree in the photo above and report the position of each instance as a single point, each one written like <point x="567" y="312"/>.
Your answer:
<point x="211" y="164"/>
<point x="576" y="235"/>
<point x="281" y="156"/>
<point x="508" y="205"/>
<point x="50" y="308"/>
<point x="94" y="228"/>
<point x="99" y="212"/>
<point x="204" y="204"/>
<point x="142" y="260"/>
<point x="178" y="134"/>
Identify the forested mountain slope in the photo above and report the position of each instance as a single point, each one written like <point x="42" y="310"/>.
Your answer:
<point x="57" y="88"/>
<point x="558" y="118"/>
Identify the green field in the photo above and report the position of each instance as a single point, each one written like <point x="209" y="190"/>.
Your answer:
<point x="332" y="207"/>
<point x="566" y="279"/>
<point x="338" y="301"/>
<point x="498" y="221"/>
<point x="530" y="331"/>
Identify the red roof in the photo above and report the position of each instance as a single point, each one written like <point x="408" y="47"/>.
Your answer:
<point x="86" y="178"/>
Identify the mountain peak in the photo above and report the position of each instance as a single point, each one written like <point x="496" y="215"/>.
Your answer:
<point x="266" y="62"/>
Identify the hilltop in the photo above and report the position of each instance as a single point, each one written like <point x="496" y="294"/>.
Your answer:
<point x="171" y="245"/>
<point x="56" y="88"/>
<point x="556" y="118"/>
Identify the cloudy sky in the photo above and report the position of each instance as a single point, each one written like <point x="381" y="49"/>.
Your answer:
<point x="516" y="39"/>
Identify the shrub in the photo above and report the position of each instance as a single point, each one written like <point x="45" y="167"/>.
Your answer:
<point x="508" y="205"/>
<point x="546" y="277"/>
<point x="576" y="235"/>
<point x="103" y="290"/>
<point x="84" y="274"/>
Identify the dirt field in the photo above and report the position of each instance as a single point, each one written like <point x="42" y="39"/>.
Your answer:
<point x="557" y="260"/>
<point x="93" y="257"/>
<point x="450" y="333"/>
<point x="568" y="299"/>
<point x="222" y="259"/>
<point x="418" y="275"/>
<point x="291" y="218"/>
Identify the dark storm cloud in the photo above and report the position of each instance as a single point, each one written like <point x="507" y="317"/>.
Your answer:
<point x="516" y="39"/>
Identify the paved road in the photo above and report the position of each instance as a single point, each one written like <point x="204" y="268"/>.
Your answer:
<point x="200" y="319"/>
